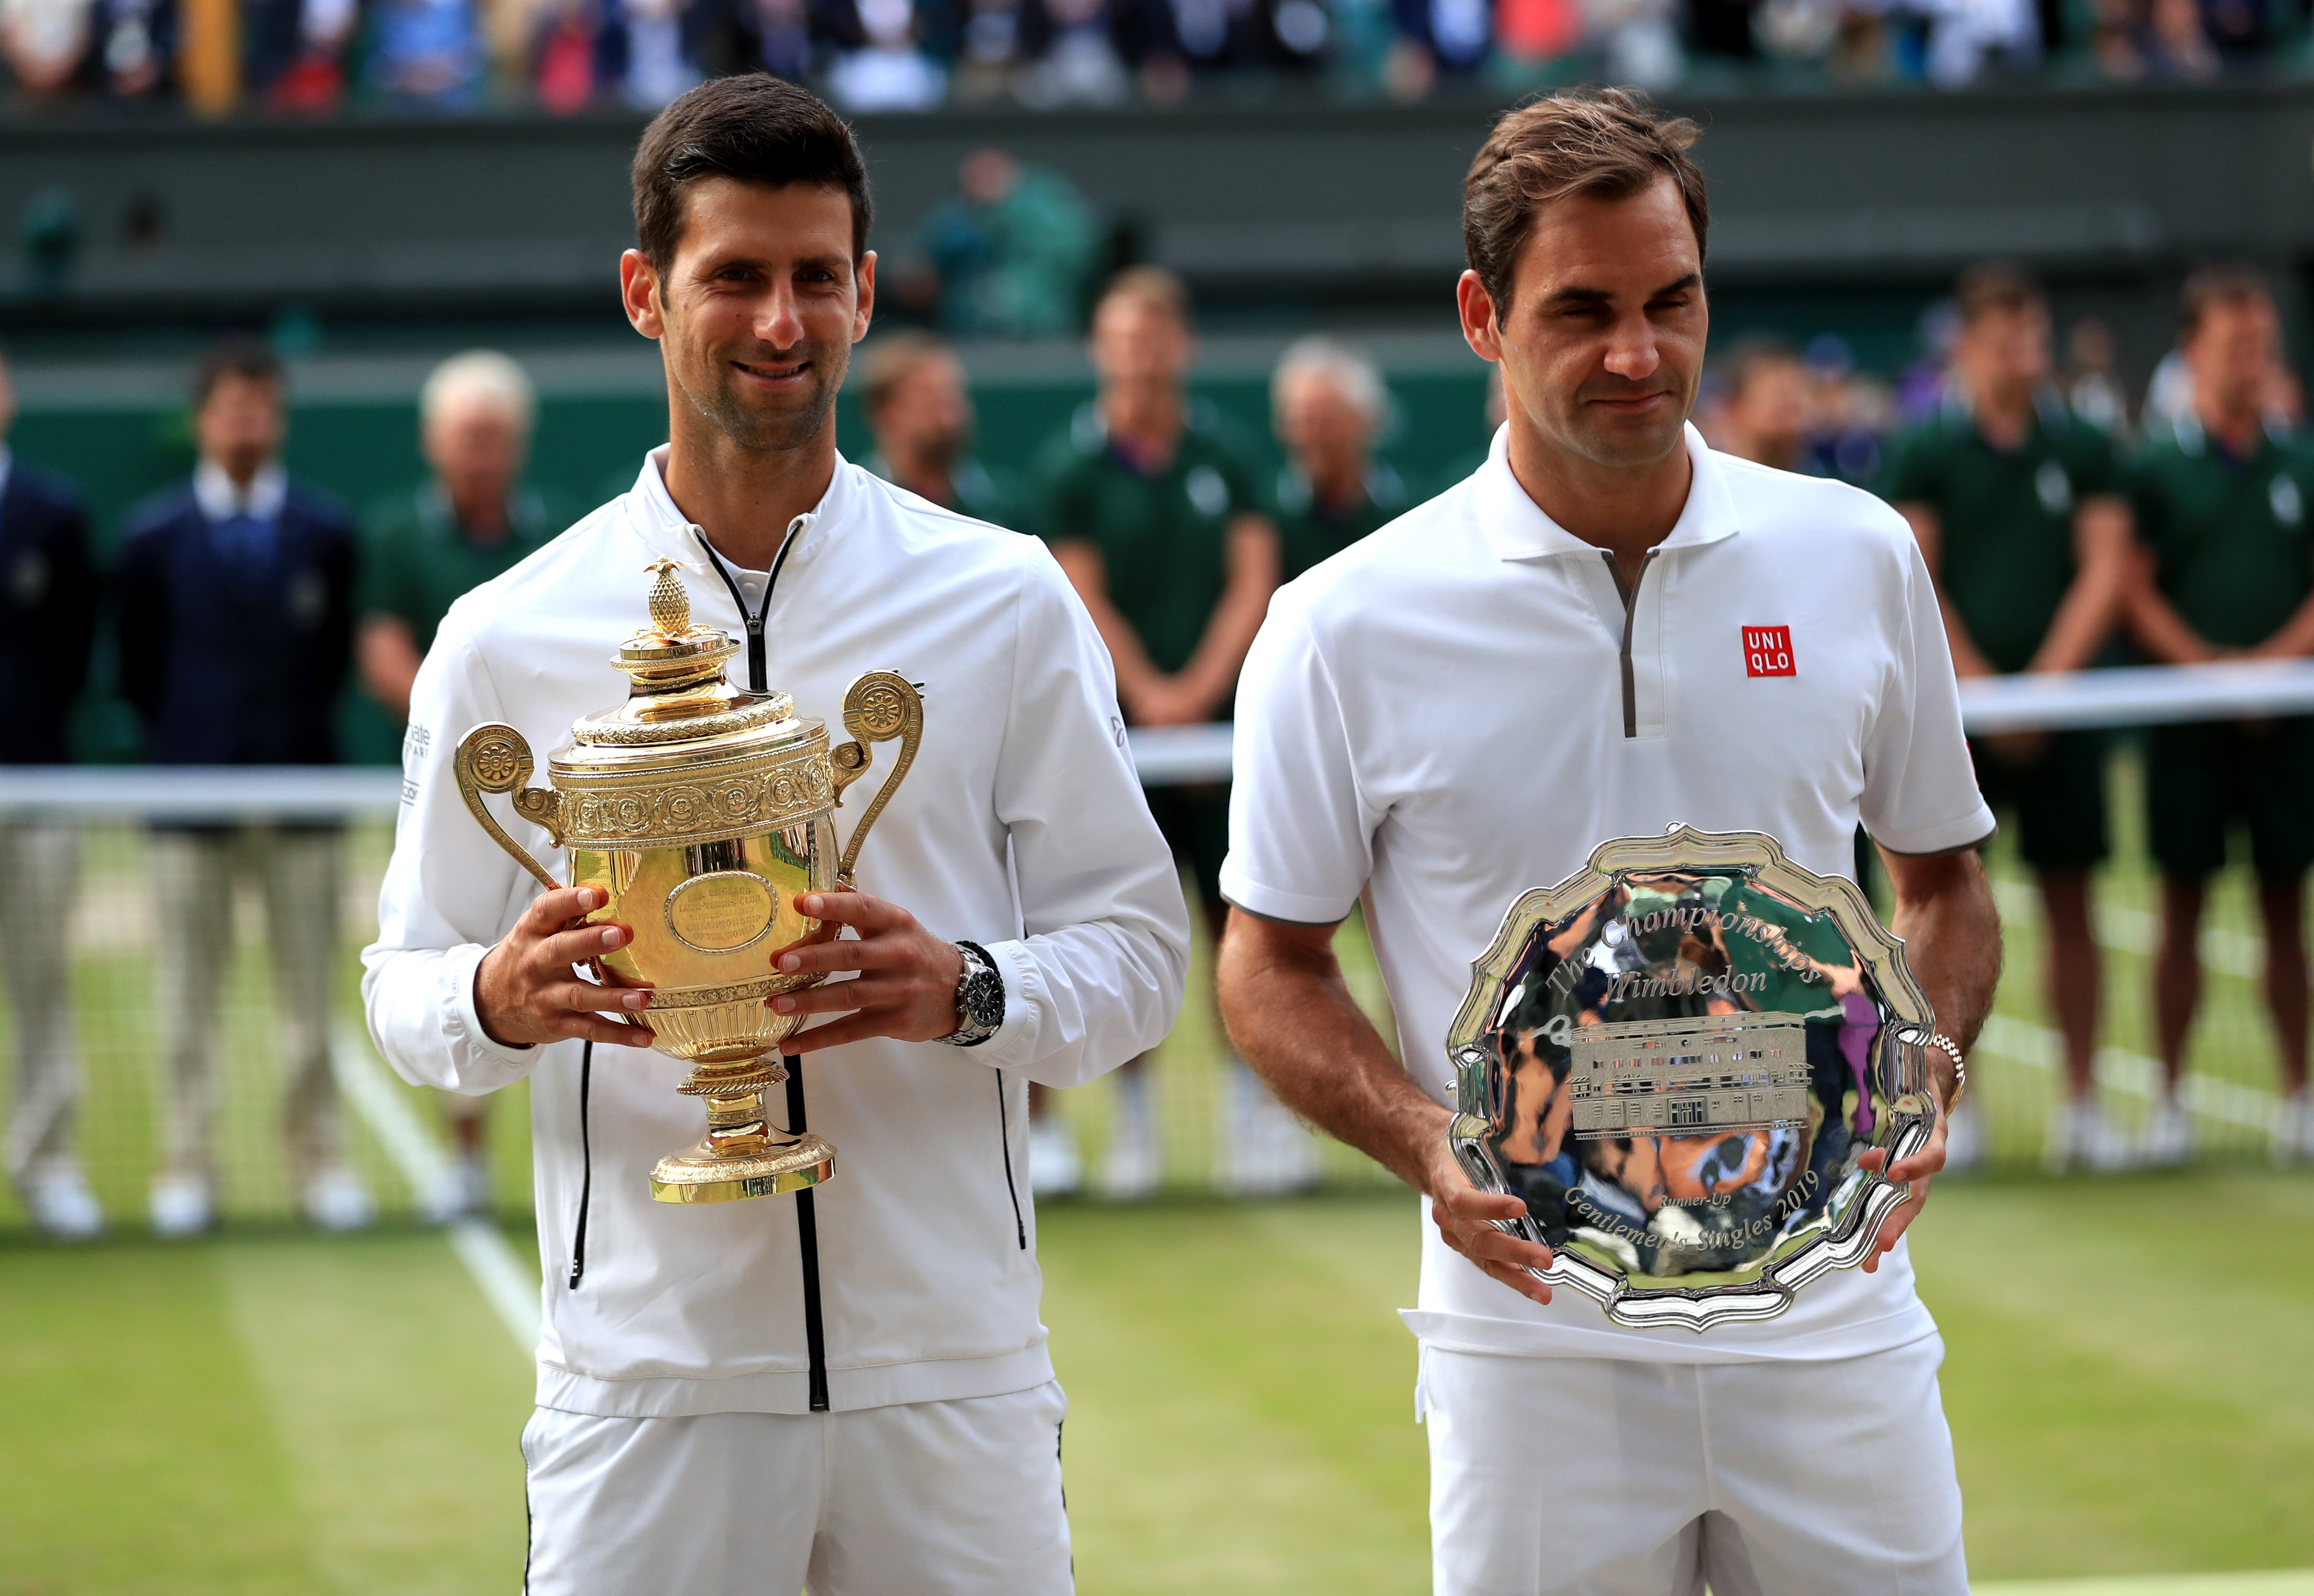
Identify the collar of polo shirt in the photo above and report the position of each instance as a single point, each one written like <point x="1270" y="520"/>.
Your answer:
<point x="1515" y="527"/>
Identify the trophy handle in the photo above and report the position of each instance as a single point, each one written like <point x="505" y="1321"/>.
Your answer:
<point x="496" y="758"/>
<point x="877" y="708"/>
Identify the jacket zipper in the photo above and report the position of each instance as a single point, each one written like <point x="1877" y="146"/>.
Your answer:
<point x="1630" y="592"/>
<point x="585" y="1170"/>
<point x="814" y="1330"/>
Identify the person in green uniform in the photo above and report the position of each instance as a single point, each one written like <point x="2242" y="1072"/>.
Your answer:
<point x="913" y="399"/>
<point x="1328" y="405"/>
<point x="2229" y="573"/>
<point x="426" y="547"/>
<point x="2019" y="508"/>
<point x="1156" y="518"/>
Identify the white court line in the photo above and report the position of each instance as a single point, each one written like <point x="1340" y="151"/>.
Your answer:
<point x="2132" y="1074"/>
<point x="2297" y="1581"/>
<point x="508" y="1284"/>
<point x="2138" y="930"/>
<point x="2118" y="1069"/>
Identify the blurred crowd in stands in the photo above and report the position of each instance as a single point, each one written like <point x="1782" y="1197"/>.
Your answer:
<point x="567" y="57"/>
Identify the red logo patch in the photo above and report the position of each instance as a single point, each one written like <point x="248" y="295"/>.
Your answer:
<point x="1767" y="651"/>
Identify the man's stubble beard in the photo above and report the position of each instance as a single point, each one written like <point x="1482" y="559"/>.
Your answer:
<point x="1623" y="451"/>
<point x="774" y="432"/>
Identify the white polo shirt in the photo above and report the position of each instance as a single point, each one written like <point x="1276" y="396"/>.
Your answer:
<point x="1460" y="708"/>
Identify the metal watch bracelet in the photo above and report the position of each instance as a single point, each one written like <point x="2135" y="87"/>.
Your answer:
<point x="979" y="999"/>
<point x="1960" y="1066"/>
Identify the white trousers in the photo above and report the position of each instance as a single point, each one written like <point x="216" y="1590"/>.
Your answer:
<point x="920" y="1499"/>
<point x="39" y="877"/>
<point x="1602" y="1477"/>
<point x="194" y="878"/>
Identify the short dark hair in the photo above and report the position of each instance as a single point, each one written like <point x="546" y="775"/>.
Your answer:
<point x="2220" y="282"/>
<point x="1997" y="286"/>
<point x="756" y="129"/>
<point x="1608" y="144"/>
<point x="241" y="357"/>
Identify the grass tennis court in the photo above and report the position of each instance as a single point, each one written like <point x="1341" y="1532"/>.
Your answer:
<point x="275" y="1412"/>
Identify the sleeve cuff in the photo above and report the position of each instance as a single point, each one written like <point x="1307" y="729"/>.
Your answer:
<point x="461" y="968"/>
<point x="1271" y="903"/>
<point x="1969" y="830"/>
<point x="1015" y="1038"/>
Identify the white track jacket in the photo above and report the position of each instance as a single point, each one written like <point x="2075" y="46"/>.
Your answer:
<point x="1022" y="826"/>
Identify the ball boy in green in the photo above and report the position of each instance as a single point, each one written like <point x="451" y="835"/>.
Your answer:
<point x="2229" y="573"/>
<point x="2017" y="504"/>
<point x="1158" y="522"/>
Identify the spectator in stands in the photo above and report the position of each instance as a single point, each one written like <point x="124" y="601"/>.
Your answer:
<point x="294" y="54"/>
<point x="47" y="598"/>
<point x="782" y="32"/>
<point x="1153" y="513"/>
<point x="1437" y="38"/>
<point x="886" y="68"/>
<point x="2229" y="573"/>
<point x="44" y="43"/>
<point x="653" y="64"/>
<point x="913" y="393"/>
<point x="2018" y="506"/>
<point x="1768" y="409"/>
<point x="136" y="47"/>
<point x="1014" y="249"/>
<point x="235" y="615"/>
<point x="564" y="60"/>
<point x="1329" y="405"/>
<point x="423" y="549"/>
<point x="427" y="55"/>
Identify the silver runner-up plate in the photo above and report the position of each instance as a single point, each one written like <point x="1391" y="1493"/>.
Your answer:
<point x="1677" y="1057"/>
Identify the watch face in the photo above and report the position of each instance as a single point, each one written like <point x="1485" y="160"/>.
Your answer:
<point x="983" y="998"/>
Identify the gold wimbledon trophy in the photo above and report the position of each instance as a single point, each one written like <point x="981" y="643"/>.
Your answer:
<point x="702" y="813"/>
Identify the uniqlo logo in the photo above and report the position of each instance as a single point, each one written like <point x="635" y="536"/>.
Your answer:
<point x="1767" y="651"/>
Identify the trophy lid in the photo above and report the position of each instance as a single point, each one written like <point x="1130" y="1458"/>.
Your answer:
<point x="678" y="695"/>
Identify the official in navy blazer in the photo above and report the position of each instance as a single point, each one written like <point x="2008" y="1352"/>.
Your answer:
<point x="236" y="603"/>
<point x="47" y="609"/>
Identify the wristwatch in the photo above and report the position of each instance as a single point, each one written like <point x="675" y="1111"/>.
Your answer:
<point x="979" y="999"/>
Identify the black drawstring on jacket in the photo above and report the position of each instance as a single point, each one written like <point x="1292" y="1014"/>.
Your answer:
<point x="585" y="1169"/>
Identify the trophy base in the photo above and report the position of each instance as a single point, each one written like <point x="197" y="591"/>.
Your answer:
<point x="704" y="1174"/>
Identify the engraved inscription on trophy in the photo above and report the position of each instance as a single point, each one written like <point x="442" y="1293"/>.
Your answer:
<point x="1689" y="1076"/>
<point x="722" y="912"/>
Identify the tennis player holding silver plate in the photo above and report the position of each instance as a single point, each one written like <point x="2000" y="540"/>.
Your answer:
<point x="1676" y="1058"/>
<point x="1695" y="1079"/>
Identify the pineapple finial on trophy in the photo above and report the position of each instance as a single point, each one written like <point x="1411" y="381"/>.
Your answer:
<point x="670" y="601"/>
